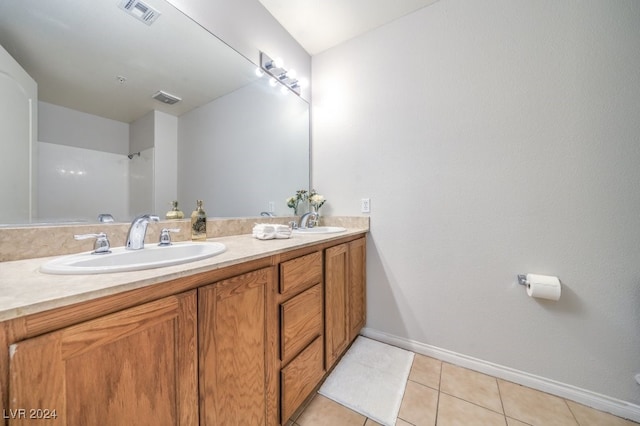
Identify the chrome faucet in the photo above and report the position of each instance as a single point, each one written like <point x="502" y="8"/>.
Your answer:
<point x="138" y="230"/>
<point x="305" y="220"/>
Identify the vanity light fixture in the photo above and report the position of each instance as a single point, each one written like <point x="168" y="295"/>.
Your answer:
<point x="275" y="69"/>
<point x="269" y="63"/>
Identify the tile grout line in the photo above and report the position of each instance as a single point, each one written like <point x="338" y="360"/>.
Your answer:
<point x="405" y="390"/>
<point x="475" y="403"/>
<point x="571" y="411"/>
<point x="501" y="402"/>
<point x="439" y="391"/>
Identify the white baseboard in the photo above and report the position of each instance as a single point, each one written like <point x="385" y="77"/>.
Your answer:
<point x="591" y="399"/>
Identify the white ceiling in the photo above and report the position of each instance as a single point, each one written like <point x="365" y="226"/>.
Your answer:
<point x="320" y="24"/>
<point x="77" y="50"/>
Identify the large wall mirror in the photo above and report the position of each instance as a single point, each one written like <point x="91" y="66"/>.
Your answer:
<point x="105" y="145"/>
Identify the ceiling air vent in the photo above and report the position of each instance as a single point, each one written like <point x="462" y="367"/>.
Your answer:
<point x="166" y="98"/>
<point x="139" y="10"/>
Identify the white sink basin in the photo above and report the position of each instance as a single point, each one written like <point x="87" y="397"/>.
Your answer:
<point x="320" y="230"/>
<point x="121" y="259"/>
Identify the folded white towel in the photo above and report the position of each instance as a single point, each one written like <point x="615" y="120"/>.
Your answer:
<point x="283" y="231"/>
<point x="264" y="232"/>
<point x="269" y="231"/>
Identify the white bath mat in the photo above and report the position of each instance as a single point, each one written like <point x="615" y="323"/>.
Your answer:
<point x="370" y="379"/>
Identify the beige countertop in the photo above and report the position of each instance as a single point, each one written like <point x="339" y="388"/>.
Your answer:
<point x="25" y="290"/>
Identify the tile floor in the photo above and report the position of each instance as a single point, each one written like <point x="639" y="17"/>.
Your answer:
<point x="442" y="394"/>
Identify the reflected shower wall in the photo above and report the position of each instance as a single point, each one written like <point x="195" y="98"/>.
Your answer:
<point x="76" y="184"/>
<point x="141" y="183"/>
<point x="83" y="169"/>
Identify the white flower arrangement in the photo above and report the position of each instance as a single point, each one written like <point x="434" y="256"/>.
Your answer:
<point x="316" y="200"/>
<point x="294" y="201"/>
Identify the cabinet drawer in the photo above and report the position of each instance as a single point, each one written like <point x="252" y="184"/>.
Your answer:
<point x="300" y="273"/>
<point x="300" y="378"/>
<point x="301" y="319"/>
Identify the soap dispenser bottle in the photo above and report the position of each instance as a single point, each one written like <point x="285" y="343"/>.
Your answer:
<point x="198" y="223"/>
<point x="175" y="212"/>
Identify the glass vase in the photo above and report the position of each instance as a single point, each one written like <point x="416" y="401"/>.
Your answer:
<point x="316" y="210"/>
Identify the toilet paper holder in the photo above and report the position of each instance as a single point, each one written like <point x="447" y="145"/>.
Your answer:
<point x="541" y="286"/>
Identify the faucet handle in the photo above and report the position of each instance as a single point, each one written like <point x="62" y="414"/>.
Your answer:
<point x="101" y="246"/>
<point x="165" y="238"/>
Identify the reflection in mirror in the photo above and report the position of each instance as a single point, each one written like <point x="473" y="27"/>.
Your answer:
<point x="259" y="127"/>
<point x="18" y="113"/>
<point x="104" y="145"/>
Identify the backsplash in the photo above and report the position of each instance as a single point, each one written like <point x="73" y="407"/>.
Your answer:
<point x="42" y="241"/>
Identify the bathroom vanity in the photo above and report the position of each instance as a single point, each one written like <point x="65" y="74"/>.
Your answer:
<point x="241" y="338"/>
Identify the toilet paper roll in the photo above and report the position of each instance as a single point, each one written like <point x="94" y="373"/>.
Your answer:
<point x="543" y="286"/>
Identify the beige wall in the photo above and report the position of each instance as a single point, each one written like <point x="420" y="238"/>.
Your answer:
<point x="495" y="138"/>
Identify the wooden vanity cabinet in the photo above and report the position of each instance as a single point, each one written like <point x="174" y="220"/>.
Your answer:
<point x="301" y="330"/>
<point x="137" y="366"/>
<point x="237" y="346"/>
<point x="345" y="297"/>
<point x="244" y="345"/>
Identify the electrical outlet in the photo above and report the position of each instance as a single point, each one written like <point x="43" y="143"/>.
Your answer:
<point x="272" y="206"/>
<point x="365" y="205"/>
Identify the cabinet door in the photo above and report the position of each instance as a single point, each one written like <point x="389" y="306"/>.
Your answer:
<point x="336" y="302"/>
<point x="137" y="366"/>
<point x="237" y="381"/>
<point x="357" y="287"/>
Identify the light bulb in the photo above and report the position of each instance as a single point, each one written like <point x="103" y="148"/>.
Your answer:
<point x="292" y="74"/>
<point x="259" y="72"/>
<point x="272" y="82"/>
<point x="278" y="63"/>
<point x="303" y="82"/>
<point x="284" y="90"/>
